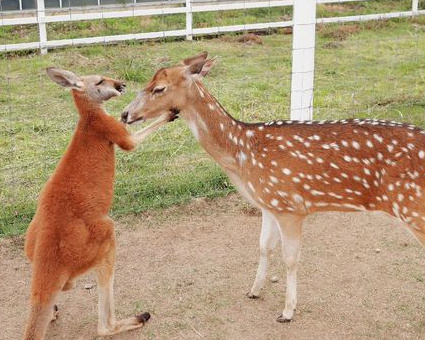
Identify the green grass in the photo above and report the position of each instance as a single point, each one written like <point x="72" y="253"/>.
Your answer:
<point x="363" y="70"/>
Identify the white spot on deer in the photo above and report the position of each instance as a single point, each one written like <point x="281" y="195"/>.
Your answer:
<point x="274" y="179"/>
<point x="410" y="146"/>
<point x="355" y="145"/>
<point x="319" y="160"/>
<point x="296" y="180"/>
<point x="260" y="165"/>
<point x="347" y="158"/>
<point x="366" y="171"/>
<point x="286" y="171"/>
<point x="249" y="133"/>
<point x="251" y="186"/>
<point x="326" y="146"/>
<point x="289" y="143"/>
<point x="421" y="154"/>
<point x="391" y="187"/>
<point x="241" y="157"/>
<point x="369" y="144"/>
<point x="282" y="193"/>
<point x="390" y="148"/>
<point x="211" y="107"/>
<point x="317" y="193"/>
<point x="333" y="165"/>
<point x="298" y="198"/>
<point x="261" y="128"/>
<point x="221" y="126"/>
<point x="274" y="202"/>
<point x="400" y="197"/>
<point x="274" y="163"/>
<point x="344" y="143"/>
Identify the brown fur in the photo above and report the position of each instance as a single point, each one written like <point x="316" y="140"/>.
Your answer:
<point x="71" y="232"/>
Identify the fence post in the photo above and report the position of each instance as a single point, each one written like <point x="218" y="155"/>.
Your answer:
<point x="189" y="20"/>
<point x="42" y="32"/>
<point x="303" y="49"/>
<point x="415" y="5"/>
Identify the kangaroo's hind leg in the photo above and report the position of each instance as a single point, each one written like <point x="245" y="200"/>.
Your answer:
<point x="47" y="282"/>
<point x="105" y="279"/>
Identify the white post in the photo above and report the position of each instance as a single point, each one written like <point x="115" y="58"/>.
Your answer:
<point x="303" y="49"/>
<point x="189" y="20"/>
<point x="415" y="5"/>
<point x="42" y="32"/>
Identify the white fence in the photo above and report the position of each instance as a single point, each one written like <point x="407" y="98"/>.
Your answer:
<point x="303" y="23"/>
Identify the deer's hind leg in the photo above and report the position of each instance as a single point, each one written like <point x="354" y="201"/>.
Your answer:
<point x="105" y="279"/>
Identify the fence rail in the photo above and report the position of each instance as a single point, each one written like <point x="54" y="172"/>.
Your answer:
<point x="303" y="23"/>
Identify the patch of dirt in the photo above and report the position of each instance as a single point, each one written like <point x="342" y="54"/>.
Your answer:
<point x="341" y="8"/>
<point x="250" y="39"/>
<point x="246" y="38"/>
<point x="337" y="33"/>
<point x="190" y="266"/>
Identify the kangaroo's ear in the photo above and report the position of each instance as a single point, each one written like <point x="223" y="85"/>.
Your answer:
<point x="200" y="68"/>
<point x="65" y="78"/>
<point x="197" y="58"/>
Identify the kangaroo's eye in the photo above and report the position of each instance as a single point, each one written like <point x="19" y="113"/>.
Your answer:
<point x="159" y="89"/>
<point x="100" y="82"/>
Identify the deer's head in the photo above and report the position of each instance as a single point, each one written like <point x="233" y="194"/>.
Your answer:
<point x="168" y="90"/>
<point x="96" y="88"/>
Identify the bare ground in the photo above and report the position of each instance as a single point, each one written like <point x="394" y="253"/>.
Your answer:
<point x="361" y="276"/>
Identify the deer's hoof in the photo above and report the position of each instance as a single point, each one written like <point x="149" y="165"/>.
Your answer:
<point x="252" y="296"/>
<point x="283" y="319"/>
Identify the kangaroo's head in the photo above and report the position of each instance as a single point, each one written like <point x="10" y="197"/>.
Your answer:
<point x="97" y="89"/>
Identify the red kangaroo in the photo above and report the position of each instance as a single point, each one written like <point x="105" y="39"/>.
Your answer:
<point x="71" y="232"/>
<point x="290" y="169"/>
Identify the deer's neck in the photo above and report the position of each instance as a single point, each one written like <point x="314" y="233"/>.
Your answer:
<point x="219" y="134"/>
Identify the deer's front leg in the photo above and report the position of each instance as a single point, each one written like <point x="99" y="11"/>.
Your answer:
<point x="290" y="232"/>
<point x="268" y="240"/>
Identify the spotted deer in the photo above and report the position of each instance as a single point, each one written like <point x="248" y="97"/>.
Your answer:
<point x="71" y="232"/>
<point x="291" y="169"/>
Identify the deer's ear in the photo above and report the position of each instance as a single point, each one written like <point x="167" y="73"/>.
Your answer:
<point x="65" y="78"/>
<point x="200" y="68"/>
<point x="197" y="58"/>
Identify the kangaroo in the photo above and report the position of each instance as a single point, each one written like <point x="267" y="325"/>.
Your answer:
<point x="71" y="232"/>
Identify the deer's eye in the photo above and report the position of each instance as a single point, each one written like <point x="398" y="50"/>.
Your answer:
<point x="100" y="82"/>
<point x="158" y="89"/>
